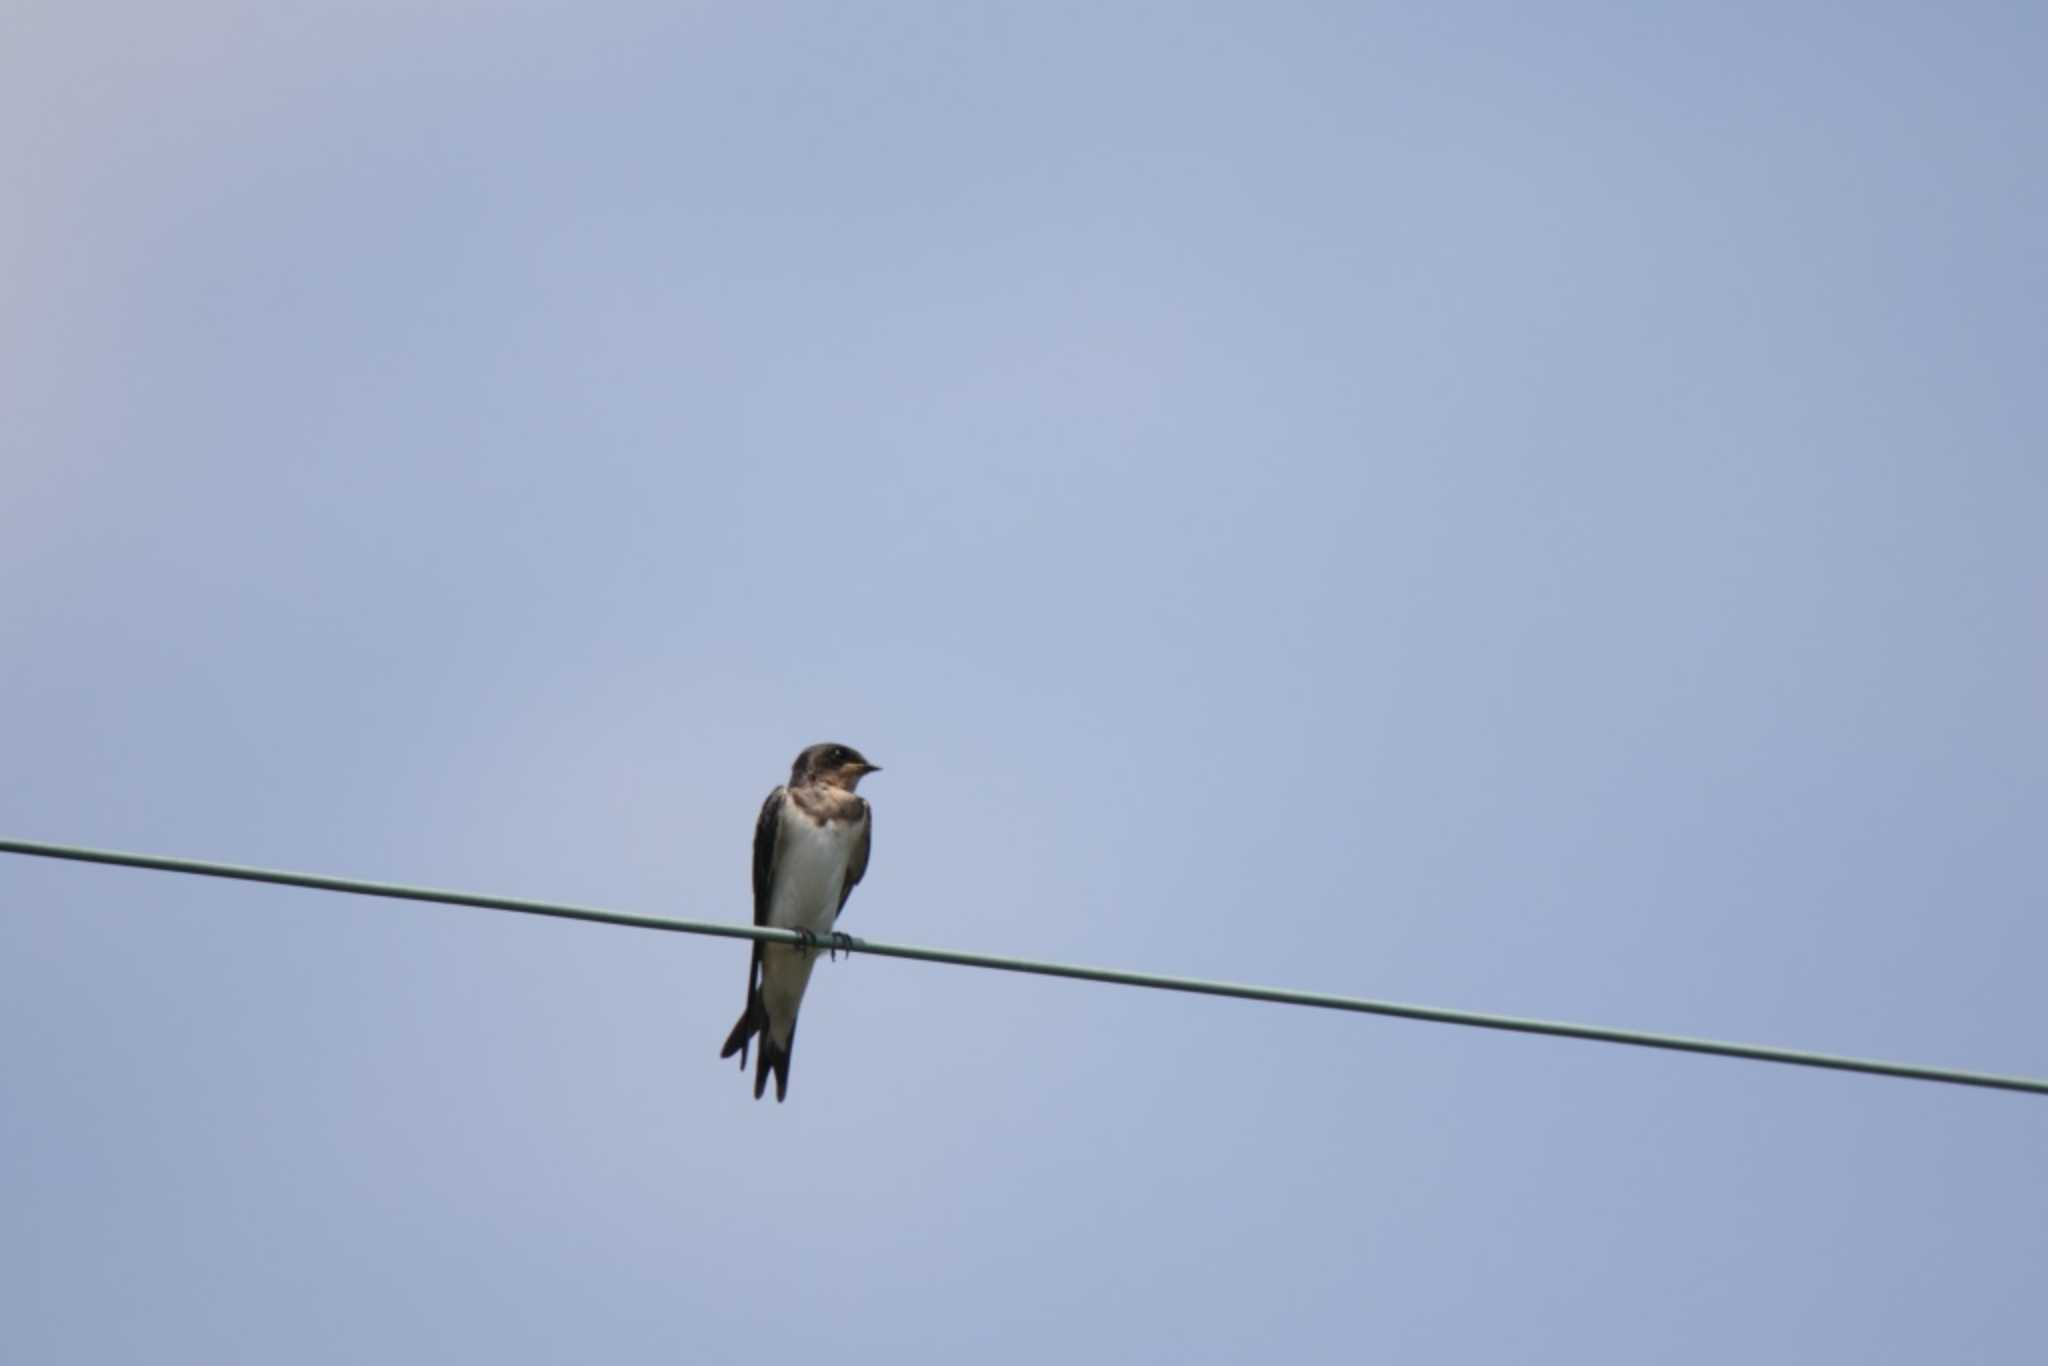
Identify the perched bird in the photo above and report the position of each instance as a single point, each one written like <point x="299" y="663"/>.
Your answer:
<point x="810" y="851"/>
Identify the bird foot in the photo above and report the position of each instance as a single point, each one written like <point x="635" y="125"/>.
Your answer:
<point x="806" y="941"/>
<point x="842" y="942"/>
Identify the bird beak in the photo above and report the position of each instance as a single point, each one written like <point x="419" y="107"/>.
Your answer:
<point x="867" y="768"/>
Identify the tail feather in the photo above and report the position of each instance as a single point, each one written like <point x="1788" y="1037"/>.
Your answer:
<point x="774" y="1057"/>
<point x="752" y="1021"/>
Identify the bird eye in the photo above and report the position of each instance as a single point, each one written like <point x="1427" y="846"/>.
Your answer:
<point x="839" y="755"/>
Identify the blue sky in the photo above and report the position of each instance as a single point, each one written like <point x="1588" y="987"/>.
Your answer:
<point x="1532" y="511"/>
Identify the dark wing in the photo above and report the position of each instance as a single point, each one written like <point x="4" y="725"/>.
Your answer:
<point x="753" y="1019"/>
<point x="857" y="866"/>
<point x="765" y="831"/>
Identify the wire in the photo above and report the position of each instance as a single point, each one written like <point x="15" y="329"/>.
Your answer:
<point x="1517" y="1024"/>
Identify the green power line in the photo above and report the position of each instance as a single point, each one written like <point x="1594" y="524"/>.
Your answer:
<point x="1436" y="1015"/>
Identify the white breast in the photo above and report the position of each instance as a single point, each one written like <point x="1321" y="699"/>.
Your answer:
<point x="810" y="870"/>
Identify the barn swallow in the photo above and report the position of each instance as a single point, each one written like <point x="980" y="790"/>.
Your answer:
<point x="810" y="852"/>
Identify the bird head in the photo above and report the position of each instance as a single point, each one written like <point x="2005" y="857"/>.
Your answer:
<point x="840" y="766"/>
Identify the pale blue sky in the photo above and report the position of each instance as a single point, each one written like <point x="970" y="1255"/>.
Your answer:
<point x="1533" y="509"/>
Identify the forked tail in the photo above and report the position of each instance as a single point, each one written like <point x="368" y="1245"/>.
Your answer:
<point x="773" y="1057"/>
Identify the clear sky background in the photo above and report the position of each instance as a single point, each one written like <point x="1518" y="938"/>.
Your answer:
<point x="1533" y="509"/>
